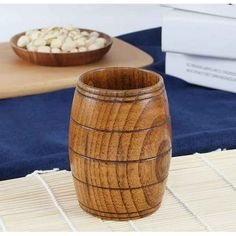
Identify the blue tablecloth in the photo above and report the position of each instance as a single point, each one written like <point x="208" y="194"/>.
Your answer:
<point x="34" y="129"/>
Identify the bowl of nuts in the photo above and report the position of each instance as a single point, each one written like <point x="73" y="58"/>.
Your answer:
<point x="61" y="46"/>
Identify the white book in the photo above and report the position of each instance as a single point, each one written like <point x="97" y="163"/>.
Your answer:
<point x="199" y="34"/>
<point x="225" y="10"/>
<point x="205" y="71"/>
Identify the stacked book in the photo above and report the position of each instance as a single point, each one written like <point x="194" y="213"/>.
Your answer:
<point x="200" y="44"/>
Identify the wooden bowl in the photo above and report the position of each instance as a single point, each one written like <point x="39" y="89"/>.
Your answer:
<point x="61" y="59"/>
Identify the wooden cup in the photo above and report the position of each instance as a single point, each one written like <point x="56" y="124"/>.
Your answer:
<point x="120" y="142"/>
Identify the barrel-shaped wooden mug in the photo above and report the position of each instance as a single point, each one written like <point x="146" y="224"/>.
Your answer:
<point x="120" y="142"/>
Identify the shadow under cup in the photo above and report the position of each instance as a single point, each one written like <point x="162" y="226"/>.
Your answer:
<point x="120" y="142"/>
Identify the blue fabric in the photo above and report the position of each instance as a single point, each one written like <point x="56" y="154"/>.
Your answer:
<point x="34" y="129"/>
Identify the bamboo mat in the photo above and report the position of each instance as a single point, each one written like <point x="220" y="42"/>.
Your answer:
<point x="19" y="78"/>
<point x="200" y="196"/>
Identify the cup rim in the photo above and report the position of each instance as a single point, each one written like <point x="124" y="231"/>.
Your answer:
<point x="102" y="91"/>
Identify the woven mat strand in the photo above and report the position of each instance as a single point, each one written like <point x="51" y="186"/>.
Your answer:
<point x="200" y="196"/>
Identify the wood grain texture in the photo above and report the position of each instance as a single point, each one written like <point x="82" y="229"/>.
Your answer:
<point x="19" y="78"/>
<point x="61" y="59"/>
<point x="120" y="142"/>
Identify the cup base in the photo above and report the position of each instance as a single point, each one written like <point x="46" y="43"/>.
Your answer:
<point x="120" y="216"/>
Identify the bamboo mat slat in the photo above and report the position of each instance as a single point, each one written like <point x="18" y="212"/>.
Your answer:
<point x="200" y="196"/>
